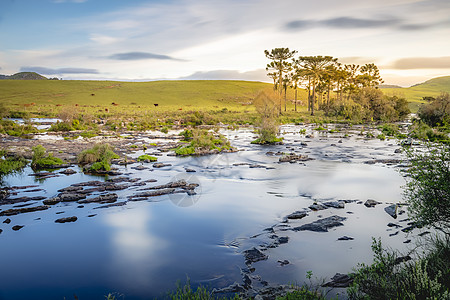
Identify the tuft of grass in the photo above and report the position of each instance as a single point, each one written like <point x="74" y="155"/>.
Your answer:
<point x="202" y="141"/>
<point x="146" y="157"/>
<point x="10" y="165"/>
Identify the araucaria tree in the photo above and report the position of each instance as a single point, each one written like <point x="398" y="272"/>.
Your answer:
<point x="279" y="64"/>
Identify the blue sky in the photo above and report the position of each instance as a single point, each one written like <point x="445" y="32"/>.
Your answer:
<point x="210" y="39"/>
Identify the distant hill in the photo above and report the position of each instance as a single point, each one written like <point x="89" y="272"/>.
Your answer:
<point x="24" y="76"/>
<point x="389" y="86"/>
<point x="414" y="94"/>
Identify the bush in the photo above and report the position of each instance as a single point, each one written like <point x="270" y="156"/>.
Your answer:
<point x="99" y="157"/>
<point x="437" y="112"/>
<point x="61" y="126"/>
<point x="11" y="164"/>
<point x="165" y="129"/>
<point x="42" y="160"/>
<point x="421" y="131"/>
<point x="267" y="106"/>
<point x="203" y="141"/>
<point x="390" y="278"/>
<point x="428" y="187"/>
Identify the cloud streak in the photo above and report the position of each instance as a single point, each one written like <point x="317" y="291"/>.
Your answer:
<point x="49" y="71"/>
<point x="358" y="23"/>
<point x="255" y="75"/>
<point x="422" y="63"/>
<point x="140" y="56"/>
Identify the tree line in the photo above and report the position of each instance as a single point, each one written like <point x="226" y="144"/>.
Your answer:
<point x="346" y="90"/>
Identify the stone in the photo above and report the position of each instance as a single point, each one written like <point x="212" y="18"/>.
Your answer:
<point x="7" y="221"/>
<point x="393" y="225"/>
<point x="234" y="288"/>
<point x="254" y="255"/>
<point x="371" y="203"/>
<point x="161" y="165"/>
<point x="52" y="201"/>
<point x="339" y="280"/>
<point x="68" y="197"/>
<point x="391" y="210"/>
<point x="111" y="205"/>
<point x="294" y="158"/>
<point x="334" y="204"/>
<point x="317" y="206"/>
<point x="12" y="211"/>
<point x="283" y="262"/>
<point x="322" y="225"/>
<point x="297" y="215"/>
<point x="152" y="193"/>
<point x="66" y="220"/>
<point x="102" y="199"/>
<point x="17" y="227"/>
<point x="345" y="238"/>
<point x="68" y="172"/>
<point x="401" y="259"/>
<point x="70" y="189"/>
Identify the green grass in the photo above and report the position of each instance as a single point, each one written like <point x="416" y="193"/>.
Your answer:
<point x="433" y="87"/>
<point x="173" y="95"/>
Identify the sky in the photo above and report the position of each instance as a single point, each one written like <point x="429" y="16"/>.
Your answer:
<point x="409" y="40"/>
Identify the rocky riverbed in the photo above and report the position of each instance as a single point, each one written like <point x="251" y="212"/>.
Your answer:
<point x="251" y="222"/>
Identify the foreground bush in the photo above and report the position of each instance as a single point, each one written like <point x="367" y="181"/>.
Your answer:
<point x="97" y="158"/>
<point x="428" y="186"/>
<point x="389" y="277"/>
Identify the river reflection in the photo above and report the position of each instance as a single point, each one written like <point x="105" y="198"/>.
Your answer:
<point x="142" y="249"/>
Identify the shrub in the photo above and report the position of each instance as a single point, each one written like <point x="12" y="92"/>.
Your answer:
<point x="390" y="278"/>
<point x="389" y="129"/>
<point x="428" y="186"/>
<point x="61" y="126"/>
<point x="42" y="160"/>
<point x="437" y="112"/>
<point x="267" y="106"/>
<point x="201" y="141"/>
<point x="99" y="157"/>
<point x="11" y="164"/>
<point x="165" y="129"/>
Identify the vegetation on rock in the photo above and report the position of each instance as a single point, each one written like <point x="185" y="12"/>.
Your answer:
<point x="97" y="158"/>
<point x="10" y="164"/>
<point x="41" y="159"/>
<point x="202" y="142"/>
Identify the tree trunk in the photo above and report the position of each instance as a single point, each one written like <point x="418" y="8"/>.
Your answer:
<point x="295" y="98"/>
<point x="285" y="92"/>
<point x="313" y="97"/>
<point x="309" y="94"/>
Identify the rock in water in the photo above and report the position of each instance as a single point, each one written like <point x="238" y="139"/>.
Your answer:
<point x="297" y="215"/>
<point x="254" y="255"/>
<point x="391" y="210"/>
<point x="66" y="220"/>
<point x="322" y="225"/>
<point x="371" y="203"/>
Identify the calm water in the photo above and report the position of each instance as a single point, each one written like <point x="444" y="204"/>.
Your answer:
<point x="142" y="249"/>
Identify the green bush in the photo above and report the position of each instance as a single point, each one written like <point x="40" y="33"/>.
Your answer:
<point x="11" y="164"/>
<point x="389" y="278"/>
<point x="99" y="156"/>
<point x="165" y="129"/>
<point x="42" y="160"/>
<point x="389" y="129"/>
<point x="61" y="126"/>
<point x="201" y="141"/>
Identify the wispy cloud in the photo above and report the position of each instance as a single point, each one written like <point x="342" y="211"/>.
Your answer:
<point x="256" y="75"/>
<point x="49" y="71"/>
<point x="358" y="23"/>
<point x="422" y="63"/>
<point x="140" y="56"/>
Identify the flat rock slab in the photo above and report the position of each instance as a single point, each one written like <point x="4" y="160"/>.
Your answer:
<point x="297" y="215"/>
<point x="16" y="211"/>
<point x="345" y="238"/>
<point x="335" y="204"/>
<point x="103" y="199"/>
<point x="17" y="227"/>
<point x="322" y="225"/>
<point x="254" y="255"/>
<point x="66" y="220"/>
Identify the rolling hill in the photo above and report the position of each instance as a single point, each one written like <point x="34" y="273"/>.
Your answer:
<point x="24" y="76"/>
<point x="433" y="87"/>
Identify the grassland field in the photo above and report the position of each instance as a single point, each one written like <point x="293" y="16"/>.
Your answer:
<point x="48" y="97"/>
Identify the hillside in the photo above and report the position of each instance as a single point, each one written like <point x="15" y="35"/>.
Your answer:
<point x="24" y="76"/>
<point x="168" y="95"/>
<point x="433" y="87"/>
